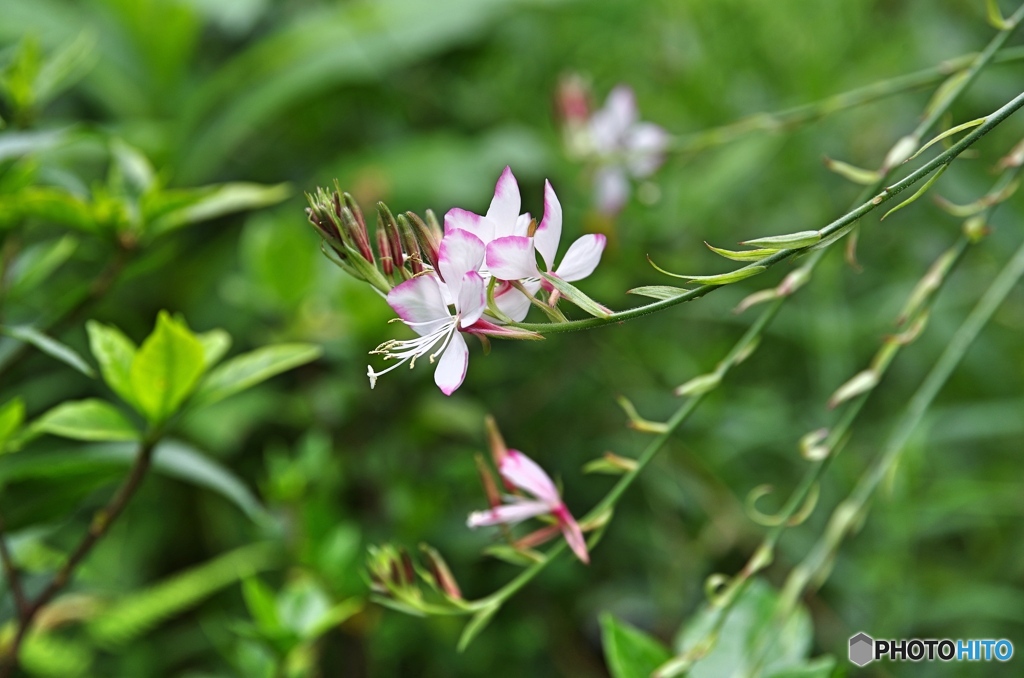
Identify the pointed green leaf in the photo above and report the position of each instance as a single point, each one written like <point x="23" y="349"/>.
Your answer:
<point x="12" y="415"/>
<point x="215" y="344"/>
<point x="37" y="263"/>
<point x="787" y="241"/>
<point x="50" y="204"/>
<point x="659" y="291"/>
<point x="477" y="624"/>
<point x="166" y="368"/>
<point x="262" y="605"/>
<point x="630" y="653"/>
<point x="948" y="133"/>
<point x="699" y="385"/>
<point x="862" y="382"/>
<point x="720" y="279"/>
<point x="114" y="352"/>
<point x="249" y="369"/>
<point x="921" y="191"/>
<point x="577" y="297"/>
<point x="857" y="175"/>
<point x="209" y="203"/>
<point x="90" y="419"/>
<point x="742" y="255"/>
<point x="50" y="347"/>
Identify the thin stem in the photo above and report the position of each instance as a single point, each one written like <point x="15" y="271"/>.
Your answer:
<point x="991" y="122"/>
<point x="12" y="574"/>
<point x="97" y="530"/>
<point x="797" y="115"/>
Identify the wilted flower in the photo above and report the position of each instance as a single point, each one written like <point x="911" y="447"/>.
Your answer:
<point x="522" y="472"/>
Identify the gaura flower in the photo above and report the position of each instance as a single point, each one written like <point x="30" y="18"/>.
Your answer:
<point x="522" y="472"/>
<point x="624" y="146"/>
<point x="502" y="218"/>
<point x="423" y="303"/>
<point x="513" y="257"/>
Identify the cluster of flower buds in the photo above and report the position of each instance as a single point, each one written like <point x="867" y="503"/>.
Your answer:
<point x="406" y="245"/>
<point x="397" y="580"/>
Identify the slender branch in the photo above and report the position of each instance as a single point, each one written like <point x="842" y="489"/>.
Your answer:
<point x="834" y="228"/>
<point x="97" y="530"/>
<point x="12" y="574"/>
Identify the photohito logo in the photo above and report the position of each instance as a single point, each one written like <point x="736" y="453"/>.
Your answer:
<point x="865" y="649"/>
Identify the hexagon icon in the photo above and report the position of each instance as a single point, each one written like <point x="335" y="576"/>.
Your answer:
<point x="861" y="649"/>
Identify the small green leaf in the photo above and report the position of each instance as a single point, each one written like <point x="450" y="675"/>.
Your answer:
<point x="577" y="297"/>
<point x="249" y="369"/>
<point x="50" y="204"/>
<point x="260" y="600"/>
<point x="699" y="385"/>
<point x="857" y="175"/>
<point x="12" y="415"/>
<point x="995" y="16"/>
<point x="921" y="191"/>
<point x="742" y="255"/>
<point x="215" y="344"/>
<point x="37" y="263"/>
<point x="334" y="616"/>
<point x="209" y="203"/>
<point x="114" y="352"/>
<point x="630" y="653"/>
<point x="948" y="133"/>
<point x="862" y="382"/>
<point x="477" y="624"/>
<point x="166" y="368"/>
<point x="659" y="291"/>
<point x="90" y="419"/>
<point x="721" y="279"/>
<point x="51" y="347"/>
<point x="134" y="166"/>
<point x="787" y="241"/>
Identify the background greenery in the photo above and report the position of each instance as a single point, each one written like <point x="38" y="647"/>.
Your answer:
<point x="422" y="104"/>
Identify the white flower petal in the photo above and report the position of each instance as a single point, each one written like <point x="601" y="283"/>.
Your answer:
<point x="512" y="258"/>
<point x="582" y="257"/>
<point x="611" y="189"/>
<point x="514" y="303"/>
<point x="451" y="368"/>
<point x="550" y="230"/>
<point x="459" y="253"/>
<point x="419" y="303"/>
<point x="472" y="299"/>
<point x="504" y="208"/>
<point x="481" y="227"/>
<point x="609" y="124"/>
<point x="645" y="148"/>
<point x="508" y="514"/>
<point x="523" y="224"/>
<point x="525" y="474"/>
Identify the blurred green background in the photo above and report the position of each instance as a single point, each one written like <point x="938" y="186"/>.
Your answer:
<point x="422" y="104"/>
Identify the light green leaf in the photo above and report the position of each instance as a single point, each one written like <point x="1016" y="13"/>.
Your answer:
<point x="37" y="263"/>
<point x="114" y="352"/>
<point x="742" y="255"/>
<point x="134" y="166"/>
<point x="260" y="600"/>
<point x="334" y="616"/>
<point x="210" y="203"/>
<point x="17" y="144"/>
<point x="166" y="368"/>
<point x="477" y="624"/>
<point x="215" y="344"/>
<point x="52" y="205"/>
<point x="12" y="415"/>
<point x="948" y="133"/>
<point x="659" y="291"/>
<point x="862" y="382"/>
<point x="575" y="296"/>
<point x="699" y="385"/>
<point x="48" y="655"/>
<point x="90" y="419"/>
<point x="788" y="240"/>
<point x="720" y="279"/>
<point x="857" y="175"/>
<point x="917" y="194"/>
<point x="629" y="652"/>
<point x="249" y="369"/>
<point x="51" y="347"/>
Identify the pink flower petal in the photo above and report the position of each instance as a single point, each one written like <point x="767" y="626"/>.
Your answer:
<point x="508" y="514"/>
<point x="512" y="258"/>
<point x="611" y="189"/>
<point x="525" y="474"/>
<point x="451" y="368"/>
<point x="464" y="220"/>
<point x="460" y="252"/>
<point x="472" y="299"/>
<point x="550" y="230"/>
<point x="504" y="209"/>
<point x="572" y="533"/>
<point x="582" y="257"/>
<point x="419" y="302"/>
<point x="514" y="303"/>
<point x="645" y="148"/>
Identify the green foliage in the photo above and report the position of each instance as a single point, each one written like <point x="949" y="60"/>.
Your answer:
<point x="245" y="371"/>
<point x="630" y="653"/>
<point x="90" y="419"/>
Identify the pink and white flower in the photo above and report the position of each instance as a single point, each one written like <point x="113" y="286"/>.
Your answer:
<point x="423" y="304"/>
<point x="502" y="218"/>
<point x="514" y="257"/>
<point x="624" y="146"/>
<point x="524" y="473"/>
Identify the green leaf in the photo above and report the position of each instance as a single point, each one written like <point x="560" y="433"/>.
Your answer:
<point x="50" y="346"/>
<point x="57" y="656"/>
<point x="114" y="352"/>
<point x="860" y="383"/>
<point x="215" y="344"/>
<point x="477" y="624"/>
<point x="90" y="419"/>
<point x="577" y="297"/>
<point x="337" y="614"/>
<point x="857" y="175"/>
<point x="659" y="291"/>
<point x="136" y="613"/>
<point x="209" y="203"/>
<point x="249" y="369"/>
<point x="699" y="385"/>
<point x="630" y="653"/>
<point x="166" y="368"/>
<point x="742" y="255"/>
<point x="12" y="415"/>
<point x="788" y="241"/>
<point x="17" y="144"/>
<point x="260" y="600"/>
<point x="917" y="194"/>
<point x="720" y="279"/>
<point x="52" y="205"/>
<point x="37" y="263"/>
<point x="134" y="166"/>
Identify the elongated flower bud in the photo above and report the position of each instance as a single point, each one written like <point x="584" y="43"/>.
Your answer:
<point x="409" y="244"/>
<point x="356" y="232"/>
<point x="387" y="262"/>
<point x="442" y="575"/>
<point x="386" y="221"/>
<point x="428" y="239"/>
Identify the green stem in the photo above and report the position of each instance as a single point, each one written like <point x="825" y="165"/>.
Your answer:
<point x="848" y="219"/>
